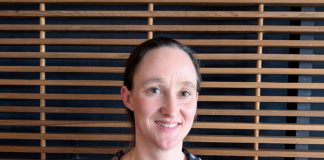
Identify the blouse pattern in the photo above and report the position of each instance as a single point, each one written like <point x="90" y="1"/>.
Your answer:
<point x="118" y="155"/>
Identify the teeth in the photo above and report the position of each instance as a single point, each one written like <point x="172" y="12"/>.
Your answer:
<point x="168" y="125"/>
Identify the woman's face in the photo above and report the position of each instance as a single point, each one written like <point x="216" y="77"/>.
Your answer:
<point x="164" y="97"/>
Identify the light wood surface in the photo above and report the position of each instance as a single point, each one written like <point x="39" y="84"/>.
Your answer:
<point x="250" y="120"/>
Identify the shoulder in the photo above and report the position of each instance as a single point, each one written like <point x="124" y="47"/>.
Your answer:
<point x="118" y="155"/>
<point x="189" y="155"/>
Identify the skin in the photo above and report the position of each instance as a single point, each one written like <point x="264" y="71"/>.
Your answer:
<point x="164" y="102"/>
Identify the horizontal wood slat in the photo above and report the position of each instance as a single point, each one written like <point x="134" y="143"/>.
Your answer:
<point x="64" y="123"/>
<point x="32" y="149"/>
<point x="261" y="85"/>
<point x="110" y="83"/>
<point x="265" y="57"/>
<point x="60" y="96"/>
<point x="66" y="55"/>
<point x="65" y="136"/>
<point x="202" y="98"/>
<point x="200" y="125"/>
<point x="98" y="110"/>
<point x="60" y="41"/>
<point x="167" y="14"/>
<point x="212" y="112"/>
<point x="247" y="139"/>
<point x="291" y="99"/>
<point x="62" y="69"/>
<point x="260" y="126"/>
<point x="191" y="42"/>
<point x="286" y="71"/>
<point x="114" y="83"/>
<point x="231" y="2"/>
<point x="238" y="112"/>
<point x="259" y="153"/>
<point x="290" y="71"/>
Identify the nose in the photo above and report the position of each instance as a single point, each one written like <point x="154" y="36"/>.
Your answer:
<point x="170" y="107"/>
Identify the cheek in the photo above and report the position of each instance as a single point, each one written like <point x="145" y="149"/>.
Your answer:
<point x="145" y="106"/>
<point x="189" y="110"/>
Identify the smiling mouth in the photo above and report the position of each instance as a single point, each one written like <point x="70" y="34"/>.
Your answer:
<point x="167" y="125"/>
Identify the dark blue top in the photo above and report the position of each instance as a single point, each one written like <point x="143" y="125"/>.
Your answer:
<point x="189" y="156"/>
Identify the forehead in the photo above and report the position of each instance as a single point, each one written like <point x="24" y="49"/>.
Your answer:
<point x="166" y="62"/>
<point x="166" y="51"/>
<point x="166" y="55"/>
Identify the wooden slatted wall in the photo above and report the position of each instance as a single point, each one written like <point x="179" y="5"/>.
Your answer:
<point x="61" y="64"/>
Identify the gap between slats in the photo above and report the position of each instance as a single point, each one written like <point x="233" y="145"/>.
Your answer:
<point x="166" y="28"/>
<point x="200" y="56"/>
<point x="200" y="112"/>
<point x="202" y="98"/>
<point x="189" y="138"/>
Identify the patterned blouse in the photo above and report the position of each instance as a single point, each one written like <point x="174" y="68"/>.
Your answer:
<point x="189" y="156"/>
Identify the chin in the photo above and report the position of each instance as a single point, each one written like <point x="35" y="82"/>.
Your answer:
<point x="169" y="145"/>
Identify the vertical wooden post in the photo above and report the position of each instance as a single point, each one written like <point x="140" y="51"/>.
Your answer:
<point x="150" y="20"/>
<point x="305" y="79"/>
<point x="258" y="80"/>
<point x="42" y="77"/>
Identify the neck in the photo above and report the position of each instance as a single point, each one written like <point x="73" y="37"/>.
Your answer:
<point x="144" y="150"/>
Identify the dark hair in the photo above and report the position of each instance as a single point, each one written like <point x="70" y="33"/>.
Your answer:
<point x="137" y="55"/>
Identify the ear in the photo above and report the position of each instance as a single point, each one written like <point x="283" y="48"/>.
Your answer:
<point x="126" y="97"/>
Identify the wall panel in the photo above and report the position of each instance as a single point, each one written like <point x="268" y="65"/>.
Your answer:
<point x="61" y="65"/>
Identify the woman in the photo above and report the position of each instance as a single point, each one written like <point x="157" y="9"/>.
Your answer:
<point x="160" y="92"/>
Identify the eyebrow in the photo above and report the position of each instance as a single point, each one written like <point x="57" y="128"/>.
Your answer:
<point x="189" y="84"/>
<point x="151" y="80"/>
<point x="159" y="80"/>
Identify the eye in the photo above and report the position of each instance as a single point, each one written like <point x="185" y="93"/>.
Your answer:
<point x="155" y="90"/>
<point x="184" y="94"/>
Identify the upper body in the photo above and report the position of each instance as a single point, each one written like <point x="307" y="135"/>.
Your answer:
<point x="160" y="91"/>
<point x="188" y="155"/>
